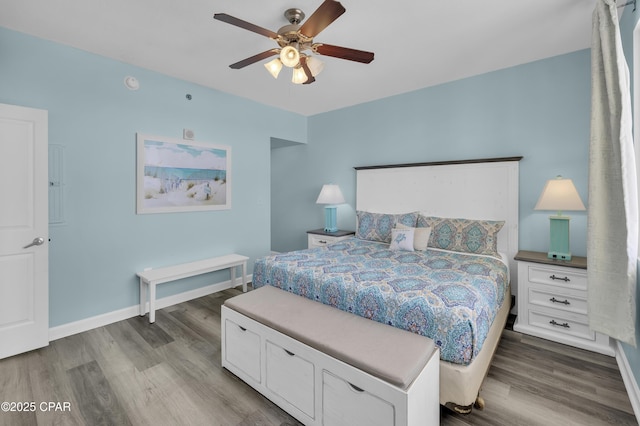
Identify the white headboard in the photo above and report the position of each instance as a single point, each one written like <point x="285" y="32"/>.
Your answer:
<point x="470" y="189"/>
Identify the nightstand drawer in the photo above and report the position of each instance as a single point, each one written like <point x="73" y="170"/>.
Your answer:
<point x="564" y="301"/>
<point x="321" y="240"/>
<point x="562" y="277"/>
<point x="575" y="325"/>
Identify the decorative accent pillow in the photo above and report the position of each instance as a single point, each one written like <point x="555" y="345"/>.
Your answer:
<point x="420" y="236"/>
<point x="402" y="239"/>
<point x="463" y="235"/>
<point x="378" y="226"/>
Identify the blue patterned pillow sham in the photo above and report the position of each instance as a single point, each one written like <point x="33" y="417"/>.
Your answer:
<point x="463" y="235"/>
<point x="378" y="226"/>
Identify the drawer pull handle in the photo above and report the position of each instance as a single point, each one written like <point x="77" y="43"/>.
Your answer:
<point x="289" y="353"/>
<point x="564" y="324"/>
<point x="322" y="242"/>
<point x="564" y="302"/>
<point x="565" y="279"/>
<point x="242" y="328"/>
<point x="355" y="388"/>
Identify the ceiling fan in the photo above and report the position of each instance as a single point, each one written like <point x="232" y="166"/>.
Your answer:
<point x="296" y="42"/>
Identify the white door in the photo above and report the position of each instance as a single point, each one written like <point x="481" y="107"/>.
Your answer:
<point x="24" y="269"/>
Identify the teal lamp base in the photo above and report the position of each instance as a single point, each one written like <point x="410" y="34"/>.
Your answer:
<point x="559" y="238"/>
<point x="330" y="219"/>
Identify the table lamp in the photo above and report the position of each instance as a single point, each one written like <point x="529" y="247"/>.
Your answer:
<point x="330" y="195"/>
<point x="559" y="194"/>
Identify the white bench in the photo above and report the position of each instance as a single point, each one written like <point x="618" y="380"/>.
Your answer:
<point x="327" y="367"/>
<point x="153" y="277"/>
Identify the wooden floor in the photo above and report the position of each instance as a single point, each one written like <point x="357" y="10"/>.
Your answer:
<point x="133" y="373"/>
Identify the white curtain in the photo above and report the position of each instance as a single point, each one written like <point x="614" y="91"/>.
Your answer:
<point x="612" y="226"/>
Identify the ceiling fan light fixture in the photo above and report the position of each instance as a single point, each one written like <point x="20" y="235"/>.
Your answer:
<point x="290" y="56"/>
<point x="299" y="76"/>
<point x="274" y="67"/>
<point x="295" y="43"/>
<point x="315" y="65"/>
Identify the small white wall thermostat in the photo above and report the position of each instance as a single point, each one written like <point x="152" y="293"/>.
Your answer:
<point x="187" y="134"/>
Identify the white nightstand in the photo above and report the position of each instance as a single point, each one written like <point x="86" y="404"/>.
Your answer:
<point x="552" y="301"/>
<point x="320" y="238"/>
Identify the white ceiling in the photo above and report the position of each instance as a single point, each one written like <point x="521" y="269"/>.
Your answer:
<point x="417" y="43"/>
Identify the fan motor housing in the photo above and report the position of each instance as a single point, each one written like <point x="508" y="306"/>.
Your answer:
<point x="289" y="33"/>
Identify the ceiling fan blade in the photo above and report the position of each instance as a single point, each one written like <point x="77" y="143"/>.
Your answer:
<point x="246" y="25"/>
<point x="307" y="71"/>
<point x="253" y="59"/>
<point x="324" y="15"/>
<point x="344" y="53"/>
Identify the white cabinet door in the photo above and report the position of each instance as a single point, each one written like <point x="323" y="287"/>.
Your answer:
<point x="243" y="349"/>
<point x="291" y="377"/>
<point x="24" y="268"/>
<point x="343" y="404"/>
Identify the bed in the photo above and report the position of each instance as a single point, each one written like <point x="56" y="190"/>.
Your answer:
<point x="455" y="290"/>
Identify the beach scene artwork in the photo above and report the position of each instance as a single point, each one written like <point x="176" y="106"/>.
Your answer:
<point x="176" y="175"/>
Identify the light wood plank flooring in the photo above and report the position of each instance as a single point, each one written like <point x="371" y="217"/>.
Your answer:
<point x="133" y="373"/>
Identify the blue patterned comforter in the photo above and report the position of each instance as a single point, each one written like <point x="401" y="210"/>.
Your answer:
<point x="449" y="297"/>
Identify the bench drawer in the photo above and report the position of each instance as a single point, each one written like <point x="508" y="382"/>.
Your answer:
<point x="346" y="405"/>
<point x="291" y="377"/>
<point x="242" y="349"/>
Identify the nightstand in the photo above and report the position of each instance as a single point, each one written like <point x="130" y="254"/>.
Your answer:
<point x="320" y="238"/>
<point x="552" y="301"/>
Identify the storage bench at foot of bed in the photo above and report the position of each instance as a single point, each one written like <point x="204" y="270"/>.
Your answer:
<point x="328" y="367"/>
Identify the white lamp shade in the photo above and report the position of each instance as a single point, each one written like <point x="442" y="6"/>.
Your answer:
<point x="299" y="76"/>
<point x="289" y="56"/>
<point x="315" y="65"/>
<point x="561" y="195"/>
<point x="330" y="194"/>
<point x="274" y="67"/>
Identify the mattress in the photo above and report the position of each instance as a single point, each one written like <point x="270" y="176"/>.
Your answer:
<point x="449" y="297"/>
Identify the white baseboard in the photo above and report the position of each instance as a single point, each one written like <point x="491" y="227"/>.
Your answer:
<point x="629" y="379"/>
<point x="87" y="324"/>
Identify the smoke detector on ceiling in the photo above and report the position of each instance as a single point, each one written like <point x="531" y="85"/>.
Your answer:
<point x="131" y="83"/>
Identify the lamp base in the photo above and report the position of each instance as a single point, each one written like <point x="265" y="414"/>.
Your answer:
<point x="559" y="238"/>
<point x="330" y="216"/>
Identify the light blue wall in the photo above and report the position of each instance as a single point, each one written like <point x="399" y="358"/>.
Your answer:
<point x="94" y="255"/>
<point x="538" y="110"/>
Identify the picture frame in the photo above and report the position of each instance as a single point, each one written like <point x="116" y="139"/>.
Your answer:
<point x="176" y="175"/>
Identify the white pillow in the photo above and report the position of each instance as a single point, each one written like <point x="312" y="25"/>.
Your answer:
<point x="420" y="236"/>
<point x="402" y="239"/>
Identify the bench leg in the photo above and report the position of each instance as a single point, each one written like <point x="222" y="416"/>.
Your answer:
<point x="143" y="298"/>
<point x="233" y="276"/>
<point x="244" y="277"/>
<point x="152" y="303"/>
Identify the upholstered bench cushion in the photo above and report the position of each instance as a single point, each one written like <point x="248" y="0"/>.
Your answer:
<point x="393" y="355"/>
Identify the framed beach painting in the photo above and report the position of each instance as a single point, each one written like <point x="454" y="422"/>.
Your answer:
<point x="175" y="175"/>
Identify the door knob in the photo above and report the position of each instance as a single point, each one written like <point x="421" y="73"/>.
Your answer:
<point x="36" y="242"/>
